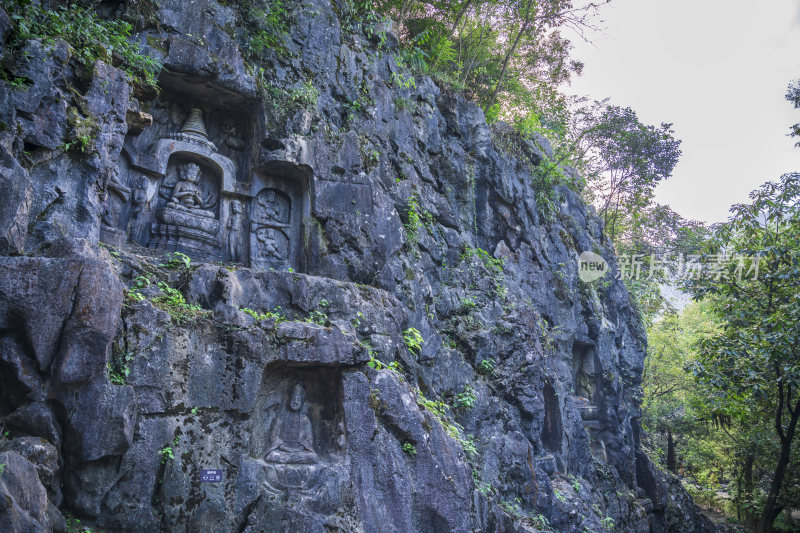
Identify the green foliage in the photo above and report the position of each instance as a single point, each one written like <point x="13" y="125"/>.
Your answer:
<point x="413" y="222"/>
<point x="118" y="368"/>
<point x="484" y="488"/>
<point x="176" y="260"/>
<point x="173" y="302"/>
<point x="276" y="314"/>
<point x="749" y="368"/>
<point x="486" y="366"/>
<point x="266" y="25"/>
<point x="607" y="523"/>
<point x="74" y="525"/>
<point x="81" y="144"/>
<point x="303" y="95"/>
<point x="468" y="303"/>
<point x="403" y="81"/>
<point x="453" y="429"/>
<point x="465" y="399"/>
<point x="317" y="317"/>
<point x="545" y="181"/>
<point x="2" y="469"/>
<point x="648" y="233"/>
<point x="377" y="364"/>
<point x="306" y="95"/>
<point x="413" y="339"/>
<point x="409" y="449"/>
<point x="359" y="14"/>
<point x="559" y="496"/>
<point x="139" y="283"/>
<point x="511" y="57"/>
<point x="512" y="508"/>
<point x="793" y="95"/>
<point x="373" y="157"/>
<point x="669" y="393"/>
<point x="492" y="265"/>
<point x="90" y="37"/>
<point x="624" y="159"/>
<point x="717" y="377"/>
<point x="167" y="452"/>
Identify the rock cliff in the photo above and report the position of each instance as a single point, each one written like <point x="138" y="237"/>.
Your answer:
<point x="297" y="292"/>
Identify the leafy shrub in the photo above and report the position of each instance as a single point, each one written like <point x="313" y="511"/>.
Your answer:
<point x="409" y="449"/>
<point x="275" y="314"/>
<point x="379" y="365"/>
<point x="176" y="260"/>
<point x="265" y="27"/>
<point x="486" y="366"/>
<point x="413" y="339"/>
<point x="465" y="399"/>
<point x="172" y="301"/>
<point x="90" y="37"/>
<point x="167" y="452"/>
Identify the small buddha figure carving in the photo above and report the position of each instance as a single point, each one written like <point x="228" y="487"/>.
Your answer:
<point x="267" y="247"/>
<point x="230" y="135"/>
<point x="291" y="438"/>
<point x="268" y="207"/>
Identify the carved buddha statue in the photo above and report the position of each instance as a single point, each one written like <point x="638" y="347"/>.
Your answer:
<point x="187" y="193"/>
<point x="291" y="438"/>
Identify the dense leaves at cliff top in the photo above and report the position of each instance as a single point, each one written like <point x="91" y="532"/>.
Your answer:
<point x="508" y="56"/>
<point x="90" y="37"/>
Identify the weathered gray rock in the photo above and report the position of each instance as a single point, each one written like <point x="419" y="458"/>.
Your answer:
<point x="24" y="505"/>
<point x="35" y="419"/>
<point x="40" y="453"/>
<point x="17" y="190"/>
<point x="367" y="211"/>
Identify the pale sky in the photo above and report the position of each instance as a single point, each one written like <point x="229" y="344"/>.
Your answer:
<point x="718" y="70"/>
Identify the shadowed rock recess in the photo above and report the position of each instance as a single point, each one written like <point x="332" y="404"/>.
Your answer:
<point x="378" y="330"/>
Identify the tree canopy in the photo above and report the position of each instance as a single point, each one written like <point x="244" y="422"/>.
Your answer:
<point x="752" y="365"/>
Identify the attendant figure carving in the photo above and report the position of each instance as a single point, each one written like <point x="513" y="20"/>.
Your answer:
<point x="139" y="198"/>
<point x="116" y="193"/>
<point x="234" y="230"/>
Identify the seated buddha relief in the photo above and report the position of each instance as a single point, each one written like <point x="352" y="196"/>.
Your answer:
<point x="291" y="437"/>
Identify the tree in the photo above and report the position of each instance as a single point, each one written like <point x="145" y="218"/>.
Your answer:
<point x="753" y="363"/>
<point x="668" y="389"/>
<point x="624" y="159"/>
<point x="509" y="56"/>
<point x="793" y="95"/>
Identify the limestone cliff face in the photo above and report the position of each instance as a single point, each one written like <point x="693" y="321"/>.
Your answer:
<point x="335" y="219"/>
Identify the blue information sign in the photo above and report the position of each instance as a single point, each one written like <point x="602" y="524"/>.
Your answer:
<point x="212" y="476"/>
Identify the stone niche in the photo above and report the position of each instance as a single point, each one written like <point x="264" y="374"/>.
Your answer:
<point x="186" y="183"/>
<point x="278" y="208"/>
<point x="552" y="428"/>
<point x="584" y="380"/>
<point x="297" y="432"/>
<point x="584" y="376"/>
<point x="175" y="187"/>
